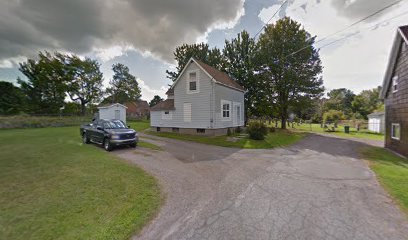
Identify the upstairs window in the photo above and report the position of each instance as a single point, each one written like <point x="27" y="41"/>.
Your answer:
<point x="192" y="84"/>
<point x="395" y="84"/>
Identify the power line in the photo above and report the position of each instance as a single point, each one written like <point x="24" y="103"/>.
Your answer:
<point x="343" y="38"/>
<point x="260" y="30"/>
<point x="349" y="26"/>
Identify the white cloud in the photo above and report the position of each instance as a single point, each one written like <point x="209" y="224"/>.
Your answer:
<point x="12" y="62"/>
<point x="148" y="93"/>
<point x="357" y="62"/>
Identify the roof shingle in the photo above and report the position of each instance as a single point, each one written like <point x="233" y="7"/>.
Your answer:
<point x="219" y="76"/>
<point x="167" y="104"/>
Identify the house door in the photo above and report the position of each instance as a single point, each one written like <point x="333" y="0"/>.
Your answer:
<point x="117" y="114"/>
<point x="236" y="115"/>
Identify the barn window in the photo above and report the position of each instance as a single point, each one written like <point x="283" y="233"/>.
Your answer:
<point x="395" y="131"/>
<point x="395" y="84"/>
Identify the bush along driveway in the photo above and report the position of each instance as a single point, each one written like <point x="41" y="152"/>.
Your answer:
<point x="319" y="188"/>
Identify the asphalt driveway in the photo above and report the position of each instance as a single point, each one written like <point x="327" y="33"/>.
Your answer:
<point x="316" y="189"/>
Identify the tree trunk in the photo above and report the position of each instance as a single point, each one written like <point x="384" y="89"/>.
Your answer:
<point x="83" y="108"/>
<point x="283" y="121"/>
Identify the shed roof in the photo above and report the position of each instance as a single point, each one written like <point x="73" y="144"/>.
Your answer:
<point x="167" y="104"/>
<point x="111" y="105"/>
<point x="376" y="114"/>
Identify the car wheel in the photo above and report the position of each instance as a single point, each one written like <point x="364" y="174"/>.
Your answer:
<point x="133" y="145"/>
<point x="85" y="139"/>
<point x="107" y="145"/>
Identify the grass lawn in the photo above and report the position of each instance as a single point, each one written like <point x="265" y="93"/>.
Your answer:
<point x="139" y="125"/>
<point x="53" y="187"/>
<point x="365" y="134"/>
<point x="392" y="172"/>
<point x="149" y="145"/>
<point x="276" y="139"/>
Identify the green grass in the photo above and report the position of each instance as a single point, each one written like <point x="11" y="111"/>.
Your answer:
<point x="53" y="187"/>
<point x="279" y="138"/>
<point x="392" y="172"/>
<point x="139" y="125"/>
<point x="364" y="134"/>
<point x="149" y="145"/>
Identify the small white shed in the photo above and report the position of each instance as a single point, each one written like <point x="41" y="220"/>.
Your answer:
<point x="376" y="122"/>
<point x="113" y="111"/>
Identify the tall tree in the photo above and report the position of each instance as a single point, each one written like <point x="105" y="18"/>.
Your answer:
<point x="83" y="79"/>
<point x="239" y="54"/>
<point x="287" y="78"/>
<point x="123" y="85"/>
<point x="156" y="99"/>
<point x="11" y="98"/>
<point x="44" y="89"/>
<point x="367" y="102"/>
<point x="200" y="51"/>
<point x="340" y="99"/>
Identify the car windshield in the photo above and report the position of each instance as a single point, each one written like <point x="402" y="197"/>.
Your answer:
<point x="114" y="124"/>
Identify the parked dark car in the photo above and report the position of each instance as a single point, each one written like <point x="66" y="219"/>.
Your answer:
<point x="109" y="134"/>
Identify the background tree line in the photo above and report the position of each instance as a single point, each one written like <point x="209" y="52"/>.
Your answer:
<point x="55" y="81"/>
<point x="281" y="71"/>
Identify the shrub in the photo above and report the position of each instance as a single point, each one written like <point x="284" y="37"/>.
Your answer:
<point x="257" y="130"/>
<point x="333" y="116"/>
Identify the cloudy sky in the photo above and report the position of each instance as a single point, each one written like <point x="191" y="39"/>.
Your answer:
<point x="143" y="34"/>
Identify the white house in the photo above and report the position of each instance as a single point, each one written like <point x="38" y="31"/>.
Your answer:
<point x="202" y="100"/>
<point x="113" y="111"/>
<point x="376" y="122"/>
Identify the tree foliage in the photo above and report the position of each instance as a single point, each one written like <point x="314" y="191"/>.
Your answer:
<point x="200" y="51"/>
<point x="44" y="89"/>
<point x="239" y="64"/>
<point x="367" y="102"/>
<point x="156" y="99"/>
<point x="287" y="80"/>
<point x="123" y="85"/>
<point x="12" y="99"/>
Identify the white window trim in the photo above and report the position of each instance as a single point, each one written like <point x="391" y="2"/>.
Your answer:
<point x="168" y="116"/>
<point x="222" y="110"/>
<point x="392" y="131"/>
<point x="394" y="83"/>
<point x="197" y="72"/>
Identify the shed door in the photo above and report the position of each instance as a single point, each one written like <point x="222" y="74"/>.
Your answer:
<point x="117" y="114"/>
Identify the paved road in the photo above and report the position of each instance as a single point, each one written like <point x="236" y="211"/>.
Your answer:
<point x="316" y="189"/>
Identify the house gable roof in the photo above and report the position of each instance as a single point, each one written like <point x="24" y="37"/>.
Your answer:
<point x="167" y="104"/>
<point x="401" y="36"/>
<point x="216" y="75"/>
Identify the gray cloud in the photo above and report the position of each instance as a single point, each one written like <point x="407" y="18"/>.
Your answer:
<point x="28" y="26"/>
<point x="356" y="9"/>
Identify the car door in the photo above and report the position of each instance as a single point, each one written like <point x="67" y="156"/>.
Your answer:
<point x="98" y="134"/>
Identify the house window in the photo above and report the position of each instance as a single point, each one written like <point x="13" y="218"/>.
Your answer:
<point x="167" y="115"/>
<point x="166" y="112"/>
<point x="225" y="109"/>
<point x="200" y="130"/>
<point x="192" y="86"/>
<point x="395" y="84"/>
<point x="395" y="131"/>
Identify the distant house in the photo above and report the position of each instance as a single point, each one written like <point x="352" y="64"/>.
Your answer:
<point x="202" y="100"/>
<point x="113" y="111"/>
<point x="376" y="122"/>
<point x="395" y="94"/>
<point x="137" y="110"/>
